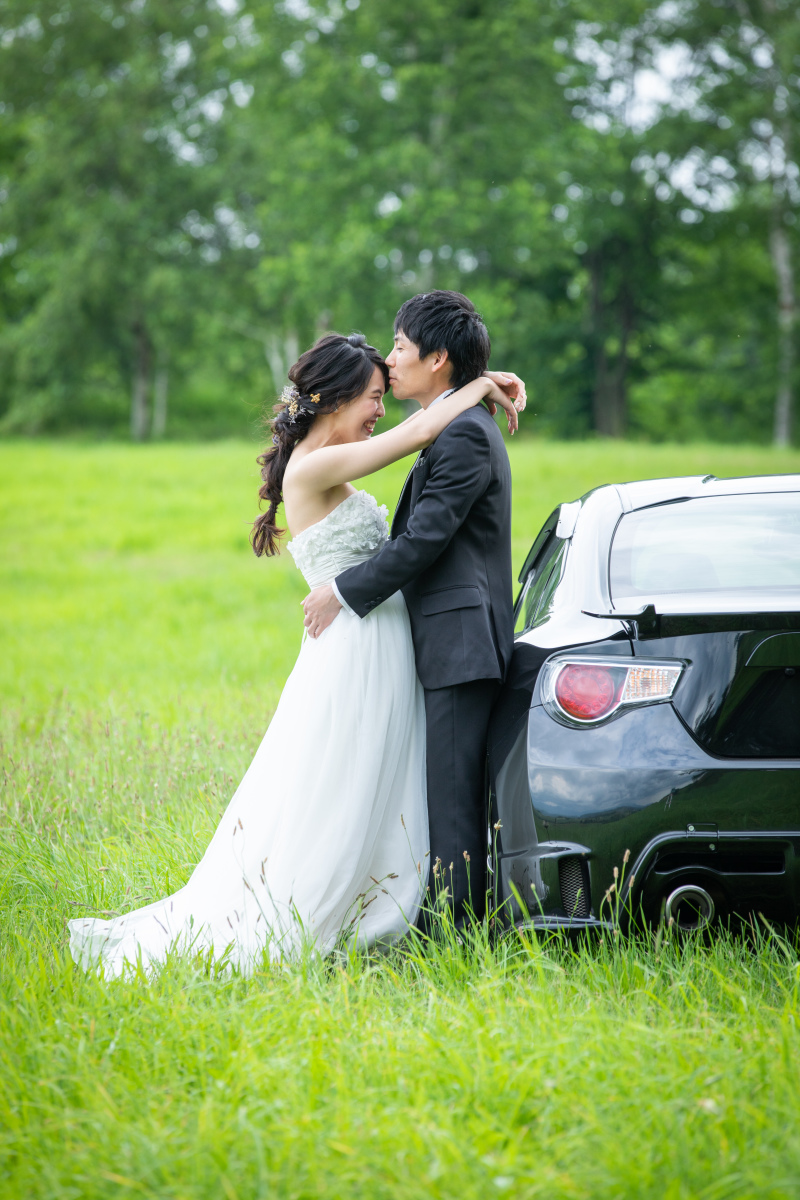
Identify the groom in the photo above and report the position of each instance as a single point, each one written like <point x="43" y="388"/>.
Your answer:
<point x="450" y="554"/>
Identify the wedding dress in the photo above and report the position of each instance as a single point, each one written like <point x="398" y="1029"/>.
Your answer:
<point x="327" y="834"/>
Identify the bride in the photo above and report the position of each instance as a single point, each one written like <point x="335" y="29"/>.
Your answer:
<point x="326" y="836"/>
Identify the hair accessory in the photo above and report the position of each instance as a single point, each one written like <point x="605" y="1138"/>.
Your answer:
<point x="294" y="401"/>
<point x="290" y="396"/>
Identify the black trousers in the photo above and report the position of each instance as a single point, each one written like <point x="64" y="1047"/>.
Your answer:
<point x="457" y="720"/>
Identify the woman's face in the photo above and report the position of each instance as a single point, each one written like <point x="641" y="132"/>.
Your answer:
<point x="355" y="422"/>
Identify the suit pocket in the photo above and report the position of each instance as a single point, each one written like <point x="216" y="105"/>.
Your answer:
<point x="448" y="599"/>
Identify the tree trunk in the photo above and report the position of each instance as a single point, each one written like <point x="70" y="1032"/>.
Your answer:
<point x="160" y="395"/>
<point x="141" y="383"/>
<point x="442" y="101"/>
<point x="280" y="352"/>
<point x="781" y="249"/>
<point x="609" y="396"/>
<point x="609" y="399"/>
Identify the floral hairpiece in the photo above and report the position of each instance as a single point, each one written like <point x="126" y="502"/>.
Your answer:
<point x="290" y="396"/>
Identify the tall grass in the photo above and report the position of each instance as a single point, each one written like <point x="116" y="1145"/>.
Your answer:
<point x="143" y="653"/>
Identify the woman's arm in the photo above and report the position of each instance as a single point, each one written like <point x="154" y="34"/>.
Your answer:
<point x="332" y="465"/>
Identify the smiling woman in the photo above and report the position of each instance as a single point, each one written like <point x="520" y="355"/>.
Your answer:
<point x="332" y="375"/>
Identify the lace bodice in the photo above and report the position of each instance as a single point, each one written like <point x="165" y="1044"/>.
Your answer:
<point x="355" y="531"/>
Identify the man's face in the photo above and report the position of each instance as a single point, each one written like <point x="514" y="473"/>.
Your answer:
<point x="415" y="378"/>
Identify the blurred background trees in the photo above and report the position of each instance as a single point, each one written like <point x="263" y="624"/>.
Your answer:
<point x="191" y="192"/>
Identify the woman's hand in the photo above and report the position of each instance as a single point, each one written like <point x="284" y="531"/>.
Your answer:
<point x="497" y="396"/>
<point x="512" y="385"/>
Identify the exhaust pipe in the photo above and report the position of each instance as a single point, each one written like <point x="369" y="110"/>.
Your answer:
<point x="690" y="907"/>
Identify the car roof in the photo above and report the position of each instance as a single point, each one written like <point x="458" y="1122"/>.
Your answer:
<point x="582" y="601"/>
<point x="643" y="492"/>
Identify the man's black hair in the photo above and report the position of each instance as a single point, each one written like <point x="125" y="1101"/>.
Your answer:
<point x="447" y="321"/>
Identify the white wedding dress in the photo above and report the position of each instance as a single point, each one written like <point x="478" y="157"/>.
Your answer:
<point x="326" y="836"/>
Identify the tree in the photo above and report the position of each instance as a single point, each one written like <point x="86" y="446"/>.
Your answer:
<point x="745" y="65"/>
<point x="112" y="108"/>
<point x="727" y="128"/>
<point x="381" y="155"/>
<point x="189" y="195"/>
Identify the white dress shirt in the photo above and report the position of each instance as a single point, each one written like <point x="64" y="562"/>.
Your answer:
<point x="336" y="591"/>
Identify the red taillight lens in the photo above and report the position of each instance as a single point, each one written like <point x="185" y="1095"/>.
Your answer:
<point x="587" y="693"/>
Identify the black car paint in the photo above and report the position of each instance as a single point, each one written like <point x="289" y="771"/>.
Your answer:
<point x="702" y="789"/>
<point x="740" y="694"/>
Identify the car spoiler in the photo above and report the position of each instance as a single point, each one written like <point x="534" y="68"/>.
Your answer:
<point x="647" y="623"/>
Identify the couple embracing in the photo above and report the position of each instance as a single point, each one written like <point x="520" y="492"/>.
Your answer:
<point x="368" y="790"/>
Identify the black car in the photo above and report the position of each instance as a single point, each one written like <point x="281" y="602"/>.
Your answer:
<point x="653" y="706"/>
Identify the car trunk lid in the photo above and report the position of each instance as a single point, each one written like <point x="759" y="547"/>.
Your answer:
<point x="740" y="693"/>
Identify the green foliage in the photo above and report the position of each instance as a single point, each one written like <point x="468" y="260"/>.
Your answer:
<point x="103" y="173"/>
<point x="189" y="194"/>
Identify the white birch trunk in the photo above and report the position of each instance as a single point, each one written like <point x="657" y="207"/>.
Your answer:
<point x="280" y="351"/>
<point x="141" y="386"/>
<point x="781" y="249"/>
<point x="160" y="397"/>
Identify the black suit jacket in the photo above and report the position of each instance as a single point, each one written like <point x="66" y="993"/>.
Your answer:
<point x="450" y="554"/>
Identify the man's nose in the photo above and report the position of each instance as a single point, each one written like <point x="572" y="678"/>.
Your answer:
<point x="390" y="359"/>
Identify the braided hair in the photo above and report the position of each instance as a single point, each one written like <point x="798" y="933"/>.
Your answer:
<point x="333" y="372"/>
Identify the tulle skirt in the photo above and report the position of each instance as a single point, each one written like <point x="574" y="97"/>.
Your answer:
<point x="326" y="837"/>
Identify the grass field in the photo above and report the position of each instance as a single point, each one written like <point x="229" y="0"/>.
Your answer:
<point x="143" y="650"/>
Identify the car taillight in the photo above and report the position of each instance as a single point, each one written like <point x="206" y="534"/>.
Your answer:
<point x="585" y="691"/>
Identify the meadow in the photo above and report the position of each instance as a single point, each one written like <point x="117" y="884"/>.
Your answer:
<point x="143" y="650"/>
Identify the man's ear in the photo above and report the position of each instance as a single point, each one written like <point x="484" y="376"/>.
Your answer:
<point x="440" y="359"/>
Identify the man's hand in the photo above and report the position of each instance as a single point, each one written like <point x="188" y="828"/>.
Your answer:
<point x="512" y="385"/>
<point x="320" y="607"/>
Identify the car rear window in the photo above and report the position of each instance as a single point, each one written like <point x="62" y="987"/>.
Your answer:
<point x="731" y="545"/>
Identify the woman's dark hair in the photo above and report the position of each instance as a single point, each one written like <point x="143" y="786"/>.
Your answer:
<point x="333" y="372"/>
<point x="447" y="321"/>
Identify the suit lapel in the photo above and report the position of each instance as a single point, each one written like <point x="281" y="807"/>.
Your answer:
<point x="407" y="490"/>
<point x="404" y="503"/>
